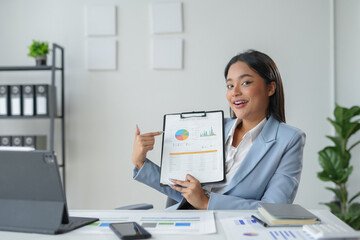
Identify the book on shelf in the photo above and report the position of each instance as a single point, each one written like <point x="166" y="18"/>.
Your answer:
<point x="286" y="214"/>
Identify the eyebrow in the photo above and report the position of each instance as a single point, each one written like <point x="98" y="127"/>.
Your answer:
<point x="241" y="76"/>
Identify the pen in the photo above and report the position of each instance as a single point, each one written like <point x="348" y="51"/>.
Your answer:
<point x="260" y="221"/>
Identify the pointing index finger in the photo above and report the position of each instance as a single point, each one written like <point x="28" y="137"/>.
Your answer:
<point x="152" y="134"/>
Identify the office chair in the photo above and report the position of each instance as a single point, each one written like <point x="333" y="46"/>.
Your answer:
<point x="145" y="206"/>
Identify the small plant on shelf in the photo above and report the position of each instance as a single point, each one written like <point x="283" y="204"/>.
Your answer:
<point x="39" y="51"/>
<point x="335" y="162"/>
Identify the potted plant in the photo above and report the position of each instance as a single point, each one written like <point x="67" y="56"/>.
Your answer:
<point x="335" y="162"/>
<point x="39" y="50"/>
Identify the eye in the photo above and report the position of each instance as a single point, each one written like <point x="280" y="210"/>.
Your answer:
<point x="246" y="83"/>
<point x="229" y="86"/>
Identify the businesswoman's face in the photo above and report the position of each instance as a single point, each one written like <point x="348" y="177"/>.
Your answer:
<point x="247" y="93"/>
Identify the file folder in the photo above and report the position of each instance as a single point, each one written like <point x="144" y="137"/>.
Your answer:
<point x="15" y="100"/>
<point x="5" y="141"/>
<point x="28" y="100"/>
<point x="17" y="141"/>
<point x="4" y="100"/>
<point x="42" y="100"/>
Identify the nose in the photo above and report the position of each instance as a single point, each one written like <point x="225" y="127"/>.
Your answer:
<point x="236" y="90"/>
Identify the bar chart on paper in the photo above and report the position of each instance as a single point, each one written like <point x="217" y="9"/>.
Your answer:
<point x="191" y="222"/>
<point x="159" y="224"/>
<point x="245" y="227"/>
<point x="209" y="133"/>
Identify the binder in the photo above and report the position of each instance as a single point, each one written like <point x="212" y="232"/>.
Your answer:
<point x="5" y="140"/>
<point x="37" y="142"/>
<point x="28" y="100"/>
<point x="4" y="100"/>
<point x="29" y="141"/>
<point x="193" y="143"/>
<point x="42" y="100"/>
<point x="15" y="100"/>
<point x="17" y="141"/>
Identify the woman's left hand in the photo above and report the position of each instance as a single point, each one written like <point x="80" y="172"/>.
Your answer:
<point x="192" y="191"/>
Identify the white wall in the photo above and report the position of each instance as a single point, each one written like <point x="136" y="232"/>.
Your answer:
<point x="102" y="107"/>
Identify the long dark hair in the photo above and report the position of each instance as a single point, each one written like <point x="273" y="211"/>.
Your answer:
<point x="263" y="65"/>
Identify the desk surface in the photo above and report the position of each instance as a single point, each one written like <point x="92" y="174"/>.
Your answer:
<point x="220" y="234"/>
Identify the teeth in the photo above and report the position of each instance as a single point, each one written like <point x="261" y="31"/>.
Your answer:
<point x="240" y="102"/>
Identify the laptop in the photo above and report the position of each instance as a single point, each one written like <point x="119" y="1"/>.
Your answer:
<point x="32" y="198"/>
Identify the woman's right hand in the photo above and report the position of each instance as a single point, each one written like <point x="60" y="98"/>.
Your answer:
<point x="142" y="144"/>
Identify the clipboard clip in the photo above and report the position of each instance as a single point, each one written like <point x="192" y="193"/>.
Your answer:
<point x="192" y="114"/>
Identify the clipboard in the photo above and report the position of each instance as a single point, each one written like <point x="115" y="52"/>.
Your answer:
<point x="193" y="143"/>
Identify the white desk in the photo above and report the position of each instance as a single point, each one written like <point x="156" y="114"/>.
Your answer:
<point x="220" y="234"/>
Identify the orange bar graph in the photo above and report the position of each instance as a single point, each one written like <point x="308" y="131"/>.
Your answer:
<point x="184" y="153"/>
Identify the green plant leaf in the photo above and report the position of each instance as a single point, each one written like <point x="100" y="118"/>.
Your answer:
<point x="339" y="113"/>
<point x="344" y="178"/>
<point x="334" y="207"/>
<point x="354" y="208"/>
<point x="352" y="146"/>
<point x="327" y="158"/>
<point x="342" y="123"/>
<point x="336" y="141"/>
<point x="353" y="216"/>
<point x="331" y="161"/>
<point x="350" y="128"/>
<point x="337" y="193"/>
<point x="353" y="111"/>
<point x="38" y="48"/>
<point x="337" y="127"/>
<point x="324" y="176"/>
<point x="354" y="222"/>
<point x="346" y="159"/>
<point x="354" y="197"/>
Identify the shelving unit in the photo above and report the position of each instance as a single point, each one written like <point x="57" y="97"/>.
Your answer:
<point x="52" y="115"/>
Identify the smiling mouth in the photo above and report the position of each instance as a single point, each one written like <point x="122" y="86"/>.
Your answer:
<point x="240" y="102"/>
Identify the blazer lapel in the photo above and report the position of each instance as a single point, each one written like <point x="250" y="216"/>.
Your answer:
<point x="259" y="148"/>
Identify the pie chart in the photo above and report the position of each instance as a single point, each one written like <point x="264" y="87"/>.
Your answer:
<point x="182" y="134"/>
<point x="250" y="234"/>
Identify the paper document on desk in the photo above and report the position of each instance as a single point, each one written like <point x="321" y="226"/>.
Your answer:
<point x="173" y="222"/>
<point x="238" y="226"/>
<point x="243" y="226"/>
<point x="156" y="222"/>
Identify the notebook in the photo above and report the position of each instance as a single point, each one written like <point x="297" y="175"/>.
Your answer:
<point x="32" y="198"/>
<point x="286" y="214"/>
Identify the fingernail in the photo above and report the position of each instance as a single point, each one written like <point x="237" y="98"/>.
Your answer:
<point x="171" y="185"/>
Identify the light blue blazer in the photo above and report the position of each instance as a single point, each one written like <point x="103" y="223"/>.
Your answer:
<point x="270" y="172"/>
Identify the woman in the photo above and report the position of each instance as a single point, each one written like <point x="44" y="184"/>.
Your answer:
<point x="263" y="154"/>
